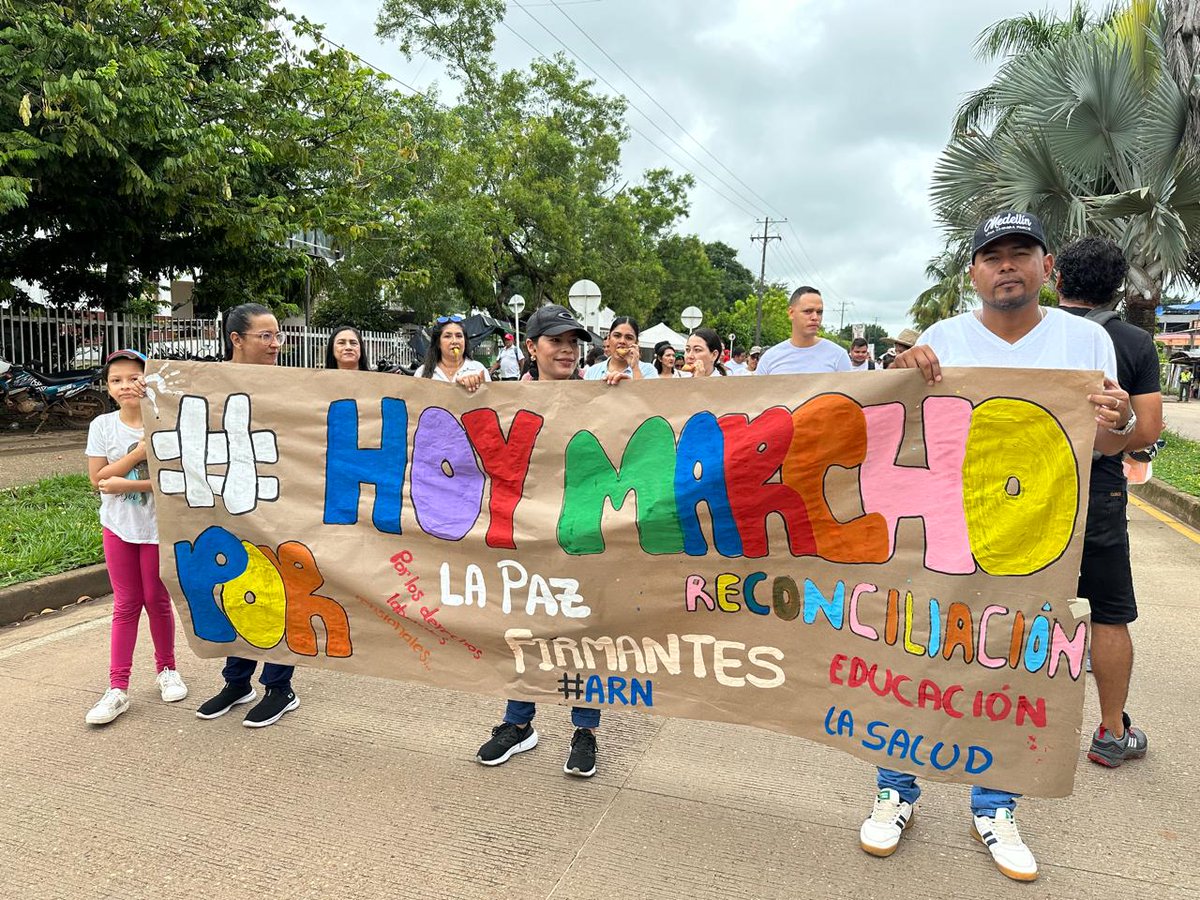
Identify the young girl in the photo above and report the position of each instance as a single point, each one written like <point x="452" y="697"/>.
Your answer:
<point x="116" y="452"/>
<point x="446" y="359"/>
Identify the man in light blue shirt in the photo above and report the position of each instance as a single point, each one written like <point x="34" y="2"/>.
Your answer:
<point x="806" y="351"/>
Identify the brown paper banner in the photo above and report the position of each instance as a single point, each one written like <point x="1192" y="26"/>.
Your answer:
<point x="854" y="559"/>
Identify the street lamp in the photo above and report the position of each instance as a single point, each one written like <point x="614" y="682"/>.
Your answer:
<point x="516" y="303"/>
<point x="584" y="298"/>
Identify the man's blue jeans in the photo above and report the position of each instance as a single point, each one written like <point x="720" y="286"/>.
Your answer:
<point x="520" y="712"/>
<point x="984" y="801"/>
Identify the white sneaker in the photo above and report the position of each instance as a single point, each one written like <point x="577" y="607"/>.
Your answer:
<point x="1009" y="852"/>
<point x="171" y="686"/>
<point x="880" y="834"/>
<point x="114" y="702"/>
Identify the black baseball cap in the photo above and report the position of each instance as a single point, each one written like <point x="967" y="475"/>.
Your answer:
<point x="1004" y="224"/>
<point x="551" y="320"/>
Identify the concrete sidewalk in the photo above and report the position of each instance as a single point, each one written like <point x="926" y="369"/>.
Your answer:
<point x="370" y="791"/>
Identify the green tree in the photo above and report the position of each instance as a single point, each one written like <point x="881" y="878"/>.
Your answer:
<point x="139" y="141"/>
<point x="1096" y="143"/>
<point x="737" y="282"/>
<point x="739" y="318"/>
<point x="950" y="294"/>
<point x="524" y="194"/>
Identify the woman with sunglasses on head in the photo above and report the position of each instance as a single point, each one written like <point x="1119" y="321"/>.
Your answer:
<point x="553" y="338"/>
<point x="252" y="337"/>
<point x="702" y="354"/>
<point x="346" y="350"/>
<point x="446" y="359"/>
<point x="664" y="360"/>
<point x="624" y="359"/>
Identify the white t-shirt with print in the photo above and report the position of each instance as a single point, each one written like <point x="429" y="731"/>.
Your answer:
<point x="129" y="516"/>
<point x="787" y="359"/>
<point x="1059" y="341"/>
<point x="469" y="367"/>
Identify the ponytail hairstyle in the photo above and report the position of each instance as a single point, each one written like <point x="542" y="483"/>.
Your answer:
<point x="236" y="321"/>
<point x="715" y="345"/>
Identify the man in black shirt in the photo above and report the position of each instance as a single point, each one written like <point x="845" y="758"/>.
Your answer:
<point x="1089" y="273"/>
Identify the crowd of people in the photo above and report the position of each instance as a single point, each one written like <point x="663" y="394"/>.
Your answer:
<point x="1011" y="261"/>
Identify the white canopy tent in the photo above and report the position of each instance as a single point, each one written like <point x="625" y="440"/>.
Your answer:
<point x="661" y="332"/>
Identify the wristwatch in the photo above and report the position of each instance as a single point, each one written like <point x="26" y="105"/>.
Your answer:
<point x="1129" y="426"/>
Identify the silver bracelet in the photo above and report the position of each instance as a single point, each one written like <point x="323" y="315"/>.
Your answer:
<point x="1128" y="425"/>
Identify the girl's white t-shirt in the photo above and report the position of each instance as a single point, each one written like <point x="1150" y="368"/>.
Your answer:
<point x="129" y="516"/>
<point x="469" y="367"/>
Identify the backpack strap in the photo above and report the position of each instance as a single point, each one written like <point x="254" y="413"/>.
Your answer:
<point x="1102" y="316"/>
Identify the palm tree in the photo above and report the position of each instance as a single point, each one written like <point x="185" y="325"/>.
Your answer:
<point x="950" y="294"/>
<point x="1011" y="39"/>
<point x="1094" y="143"/>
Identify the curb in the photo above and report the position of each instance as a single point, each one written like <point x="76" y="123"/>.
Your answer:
<point x="1184" y="507"/>
<point x="54" y="592"/>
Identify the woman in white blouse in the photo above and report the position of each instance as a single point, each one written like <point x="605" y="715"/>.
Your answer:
<point x="446" y="360"/>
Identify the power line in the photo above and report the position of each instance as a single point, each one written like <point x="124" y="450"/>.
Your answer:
<point x="632" y="105"/>
<point x="739" y="204"/>
<point x="558" y="4"/>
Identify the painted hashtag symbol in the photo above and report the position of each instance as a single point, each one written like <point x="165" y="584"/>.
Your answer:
<point x="236" y="447"/>
<point x="571" y="689"/>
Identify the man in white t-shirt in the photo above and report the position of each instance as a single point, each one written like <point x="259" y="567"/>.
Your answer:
<point x="508" y="362"/>
<point x="737" y="362"/>
<point x="860" y="356"/>
<point x="806" y="351"/>
<point x="1009" y="264"/>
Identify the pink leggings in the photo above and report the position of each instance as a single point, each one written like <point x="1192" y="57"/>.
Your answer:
<point x="133" y="571"/>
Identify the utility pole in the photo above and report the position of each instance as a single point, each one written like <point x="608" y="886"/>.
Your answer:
<point x="766" y="238"/>
<point x="842" y="314"/>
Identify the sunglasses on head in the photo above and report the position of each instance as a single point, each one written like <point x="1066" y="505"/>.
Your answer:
<point x="442" y="320"/>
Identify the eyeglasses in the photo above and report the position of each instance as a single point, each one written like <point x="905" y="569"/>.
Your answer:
<point x="266" y="336"/>
<point x="442" y="320"/>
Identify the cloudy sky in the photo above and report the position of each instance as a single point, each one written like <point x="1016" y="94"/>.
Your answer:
<point x="829" y="113"/>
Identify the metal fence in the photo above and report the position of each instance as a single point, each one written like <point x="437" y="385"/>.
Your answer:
<point x="53" y="340"/>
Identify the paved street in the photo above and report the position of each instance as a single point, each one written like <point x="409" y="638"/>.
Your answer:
<point x="26" y="457"/>
<point x="370" y="791"/>
<point x="1183" y="418"/>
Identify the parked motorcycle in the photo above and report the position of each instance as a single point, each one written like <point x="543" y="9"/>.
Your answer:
<point x="73" y="397"/>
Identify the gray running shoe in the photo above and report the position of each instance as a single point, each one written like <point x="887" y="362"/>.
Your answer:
<point x="1112" y="751"/>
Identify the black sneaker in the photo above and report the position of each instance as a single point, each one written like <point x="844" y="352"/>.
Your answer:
<point x="231" y="695"/>
<point x="507" y="739"/>
<point x="272" y="707"/>
<point x="582" y="761"/>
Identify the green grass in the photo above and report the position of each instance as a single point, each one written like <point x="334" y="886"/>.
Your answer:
<point x="1178" y="464"/>
<point x="48" y="527"/>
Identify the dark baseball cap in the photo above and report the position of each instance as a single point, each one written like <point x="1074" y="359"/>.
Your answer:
<point x="1005" y="224"/>
<point x="551" y="320"/>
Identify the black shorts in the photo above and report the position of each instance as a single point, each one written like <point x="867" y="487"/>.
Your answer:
<point x="1104" y="575"/>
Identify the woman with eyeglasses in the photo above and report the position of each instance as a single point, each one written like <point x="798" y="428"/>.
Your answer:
<point x="702" y="354"/>
<point x="446" y="359"/>
<point x="624" y="359"/>
<point x="252" y="337"/>
<point x="346" y="350"/>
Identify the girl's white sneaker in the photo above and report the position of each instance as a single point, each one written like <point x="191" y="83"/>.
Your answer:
<point x="114" y="702"/>
<point x="171" y="686"/>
